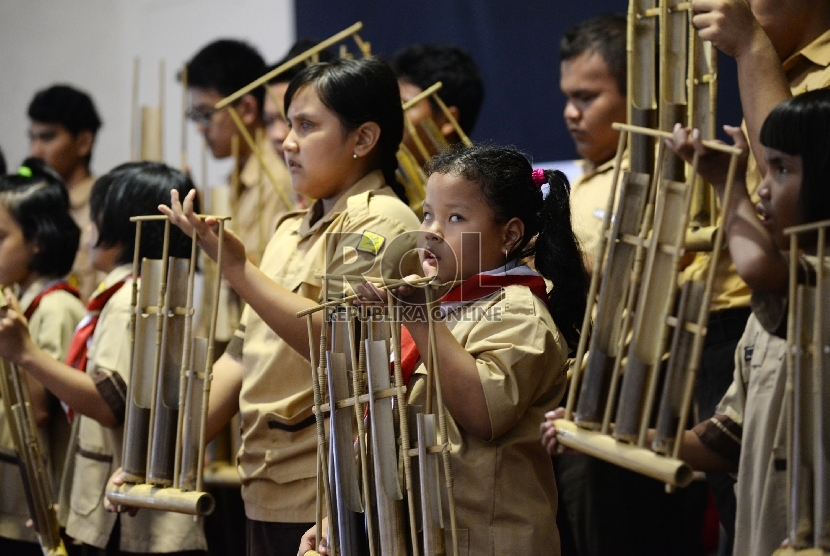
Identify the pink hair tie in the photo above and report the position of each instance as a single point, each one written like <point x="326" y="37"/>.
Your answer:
<point x="539" y="177"/>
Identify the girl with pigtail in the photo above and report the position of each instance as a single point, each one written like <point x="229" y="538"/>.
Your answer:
<point x="503" y="339"/>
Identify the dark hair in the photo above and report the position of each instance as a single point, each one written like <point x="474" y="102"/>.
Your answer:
<point x="67" y="106"/>
<point x="424" y="64"/>
<point x="505" y="177"/>
<point x="2" y="163"/>
<point x="137" y="189"/>
<point x="801" y="126"/>
<point x="227" y="65"/>
<point x="298" y="48"/>
<point x="37" y="200"/>
<point x="360" y="91"/>
<point x="606" y="35"/>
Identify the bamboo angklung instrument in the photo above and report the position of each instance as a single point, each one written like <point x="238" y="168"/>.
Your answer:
<point x="148" y="121"/>
<point x="808" y="394"/>
<point x="30" y="458"/>
<point x="635" y="299"/>
<point x="410" y="163"/>
<point x="167" y="399"/>
<point x="374" y="479"/>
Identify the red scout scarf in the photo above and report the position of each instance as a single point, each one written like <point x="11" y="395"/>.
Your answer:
<point x="56" y="285"/>
<point x="472" y="289"/>
<point x="76" y="355"/>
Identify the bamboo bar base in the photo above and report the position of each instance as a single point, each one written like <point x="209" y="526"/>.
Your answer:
<point x="165" y="499"/>
<point x="641" y="460"/>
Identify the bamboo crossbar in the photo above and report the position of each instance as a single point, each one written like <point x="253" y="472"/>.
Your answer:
<point x="165" y="499"/>
<point x="641" y="460"/>
<point x="288" y="65"/>
<point x="429" y="91"/>
<point x="714" y="145"/>
<point x="428" y="280"/>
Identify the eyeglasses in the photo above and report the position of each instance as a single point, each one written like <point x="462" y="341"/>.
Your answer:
<point x="200" y="116"/>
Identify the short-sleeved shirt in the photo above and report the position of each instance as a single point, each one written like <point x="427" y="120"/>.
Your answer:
<point x="100" y="448"/>
<point x="504" y="488"/>
<point x="806" y="70"/>
<point x="50" y="327"/>
<point x="278" y="457"/>
<point x="589" y="200"/>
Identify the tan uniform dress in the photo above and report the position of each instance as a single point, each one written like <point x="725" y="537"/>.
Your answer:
<point x="589" y="199"/>
<point x="82" y="275"/>
<point x="99" y="448"/>
<point x="806" y="70"/>
<point x="51" y="328"/>
<point x="278" y="458"/>
<point x="505" y="493"/>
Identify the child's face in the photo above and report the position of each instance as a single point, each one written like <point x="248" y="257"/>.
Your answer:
<point x="16" y="253"/>
<point x="461" y="237"/>
<point x="318" y="150"/>
<point x="779" y="207"/>
<point x="57" y="146"/>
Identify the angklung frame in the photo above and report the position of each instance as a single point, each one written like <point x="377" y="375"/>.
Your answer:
<point x="167" y="399"/>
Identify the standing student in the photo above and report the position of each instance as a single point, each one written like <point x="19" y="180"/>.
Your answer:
<point x="747" y="431"/>
<point x="486" y="213"/>
<point x="63" y="125"/>
<point x="38" y="242"/>
<point x="94" y="387"/>
<point x="346" y="123"/>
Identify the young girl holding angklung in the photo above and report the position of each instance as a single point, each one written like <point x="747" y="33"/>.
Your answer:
<point x="38" y="241"/>
<point x="485" y="215"/>
<point x="346" y="123"/>
<point x="747" y="432"/>
<point x="94" y="383"/>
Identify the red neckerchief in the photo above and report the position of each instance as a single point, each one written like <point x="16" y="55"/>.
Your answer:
<point x="473" y="288"/>
<point x="61" y="285"/>
<point x="76" y="355"/>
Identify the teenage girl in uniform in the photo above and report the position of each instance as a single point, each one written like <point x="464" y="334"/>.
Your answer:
<point x="346" y="123"/>
<point x="38" y="242"/>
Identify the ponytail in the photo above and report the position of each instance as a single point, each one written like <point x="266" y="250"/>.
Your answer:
<point x="559" y="258"/>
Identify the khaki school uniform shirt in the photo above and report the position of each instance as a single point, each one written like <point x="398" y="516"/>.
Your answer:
<point x="82" y="275"/>
<point x="99" y="447"/>
<point x="278" y="458"/>
<point x="51" y="328"/>
<point x="806" y="70"/>
<point x="589" y="200"/>
<point x="504" y="488"/>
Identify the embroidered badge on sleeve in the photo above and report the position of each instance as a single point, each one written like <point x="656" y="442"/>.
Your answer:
<point x="370" y="242"/>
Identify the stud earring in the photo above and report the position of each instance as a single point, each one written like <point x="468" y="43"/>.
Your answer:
<point x="354" y="155"/>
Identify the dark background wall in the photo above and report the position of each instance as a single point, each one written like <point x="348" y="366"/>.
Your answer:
<point x="514" y="43"/>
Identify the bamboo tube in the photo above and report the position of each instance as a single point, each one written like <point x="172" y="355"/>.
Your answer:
<point x="150" y="133"/>
<point x="227" y="101"/>
<point x="165" y="499"/>
<point x="160" y="132"/>
<point x="453" y="121"/>
<point x="637" y="459"/>
<point x="426" y="93"/>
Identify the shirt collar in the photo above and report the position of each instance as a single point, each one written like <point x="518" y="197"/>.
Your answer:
<point x="370" y="182"/>
<point x="817" y="52"/>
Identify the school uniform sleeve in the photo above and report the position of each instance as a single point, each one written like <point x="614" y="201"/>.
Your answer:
<point x="109" y="358"/>
<point x="54" y="322"/>
<point x="514" y="348"/>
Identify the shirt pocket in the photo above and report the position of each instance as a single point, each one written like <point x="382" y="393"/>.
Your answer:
<point x="294" y="453"/>
<point x="92" y="471"/>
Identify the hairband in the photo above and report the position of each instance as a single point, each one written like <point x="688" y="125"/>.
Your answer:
<point x="24" y="171"/>
<point x="539" y="177"/>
